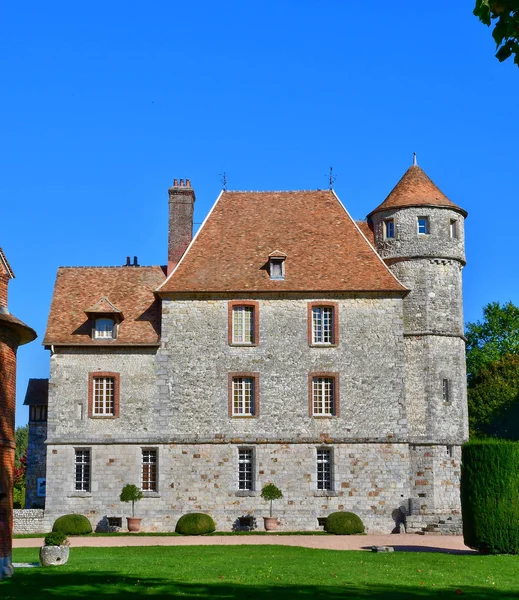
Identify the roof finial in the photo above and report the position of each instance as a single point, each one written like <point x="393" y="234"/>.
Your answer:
<point x="415" y="162"/>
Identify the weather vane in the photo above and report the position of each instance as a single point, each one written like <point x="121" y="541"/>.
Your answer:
<point x="331" y="179"/>
<point x="224" y="180"/>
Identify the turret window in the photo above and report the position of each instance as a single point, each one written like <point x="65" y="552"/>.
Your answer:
<point x="454" y="229"/>
<point x="389" y="228"/>
<point x="423" y="225"/>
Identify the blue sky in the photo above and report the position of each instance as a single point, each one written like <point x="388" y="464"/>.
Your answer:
<point x="104" y="103"/>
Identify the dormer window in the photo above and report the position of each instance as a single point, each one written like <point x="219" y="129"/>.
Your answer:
<point x="277" y="265"/>
<point x="104" y="329"/>
<point x="104" y="318"/>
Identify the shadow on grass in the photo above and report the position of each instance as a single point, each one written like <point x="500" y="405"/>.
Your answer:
<point x="54" y="583"/>
<point x="434" y="549"/>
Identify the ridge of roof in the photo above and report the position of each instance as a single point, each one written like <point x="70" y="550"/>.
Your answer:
<point x="326" y="250"/>
<point x="131" y="267"/>
<point x="416" y="188"/>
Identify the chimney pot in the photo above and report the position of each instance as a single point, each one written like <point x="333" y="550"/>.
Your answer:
<point x="135" y="263"/>
<point x="127" y="261"/>
<point x="175" y="182"/>
<point x="188" y="183"/>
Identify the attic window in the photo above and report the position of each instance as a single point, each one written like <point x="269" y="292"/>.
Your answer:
<point x="277" y="265"/>
<point x="104" y="329"/>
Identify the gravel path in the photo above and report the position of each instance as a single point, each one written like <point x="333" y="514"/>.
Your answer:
<point x="452" y="544"/>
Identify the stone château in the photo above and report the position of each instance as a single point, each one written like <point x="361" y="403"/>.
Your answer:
<point x="284" y="343"/>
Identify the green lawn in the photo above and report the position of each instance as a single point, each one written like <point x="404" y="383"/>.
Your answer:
<point x="263" y="572"/>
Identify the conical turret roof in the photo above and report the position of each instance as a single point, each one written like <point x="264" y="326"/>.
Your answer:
<point x="416" y="189"/>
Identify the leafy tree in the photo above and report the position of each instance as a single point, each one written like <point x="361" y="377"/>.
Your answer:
<point x="493" y="398"/>
<point x="494" y="337"/>
<point x="505" y="14"/>
<point x="21" y="437"/>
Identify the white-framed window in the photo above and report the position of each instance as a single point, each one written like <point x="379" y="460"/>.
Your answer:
<point x="243" y="324"/>
<point x="324" y="469"/>
<point x="104" y="397"/>
<point x="453" y="229"/>
<point x="323" y="396"/>
<point x="389" y="228"/>
<point x="243" y="393"/>
<point x="322" y="325"/>
<point x="446" y="390"/>
<point x="149" y="470"/>
<point x="245" y="469"/>
<point x="423" y="225"/>
<point x="83" y="465"/>
<point x="277" y="268"/>
<point x="104" y="329"/>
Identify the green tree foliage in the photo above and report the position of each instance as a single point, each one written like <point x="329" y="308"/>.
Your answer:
<point x="493" y="372"/>
<point x="489" y="340"/>
<point x="493" y="397"/>
<point x="505" y="15"/>
<point x="21" y="437"/>
<point x="131" y="493"/>
<point x="490" y="496"/>
<point x="271" y="492"/>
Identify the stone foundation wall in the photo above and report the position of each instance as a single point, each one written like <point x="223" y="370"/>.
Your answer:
<point x="371" y="480"/>
<point x="29" y="521"/>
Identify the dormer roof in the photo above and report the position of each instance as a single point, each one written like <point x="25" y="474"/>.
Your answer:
<point x="326" y="249"/>
<point x="415" y="188"/>
<point x="104" y="307"/>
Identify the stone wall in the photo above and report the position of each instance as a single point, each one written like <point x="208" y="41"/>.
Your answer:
<point x="371" y="480"/>
<point x="36" y="465"/>
<point x="30" y="521"/>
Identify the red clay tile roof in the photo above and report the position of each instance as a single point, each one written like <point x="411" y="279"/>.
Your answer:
<point x="37" y="392"/>
<point x="367" y="231"/>
<point x="25" y="333"/>
<point x="416" y="189"/>
<point x="4" y="265"/>
<point x="129" y="288"/>
<point x="325" y="250"/>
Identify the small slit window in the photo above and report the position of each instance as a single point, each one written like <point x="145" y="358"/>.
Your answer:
<point x="446" y="390"/>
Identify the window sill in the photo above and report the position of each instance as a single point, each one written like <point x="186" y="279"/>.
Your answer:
<point x="150" y="495"/>
<point x="324" y="416"/>
<point x="80" y="495"/>
<point x="323" y="345"/>
<point x="243" y="416"/>
<point x="325" y="493"/>
<point x="246" y="493"/>
<point x="242" y="345"/>
<point x="103" y="416"/>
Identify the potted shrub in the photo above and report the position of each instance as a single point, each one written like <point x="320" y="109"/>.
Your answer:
<point x="131" y="493"/>
<point x="270" y="492"/>
<point x="56" y="550"/>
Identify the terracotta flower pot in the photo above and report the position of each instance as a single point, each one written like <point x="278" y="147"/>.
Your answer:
<point x="54" y="555"/>
<point x="134" y="524"/>
<point x="271" y="523"/>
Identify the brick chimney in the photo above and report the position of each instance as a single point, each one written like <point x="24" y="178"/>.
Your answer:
<point x="181" y="209"/>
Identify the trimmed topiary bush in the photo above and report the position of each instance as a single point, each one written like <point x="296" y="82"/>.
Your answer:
<point x="344" y="523"/>
<point x="72" y="525"/>
<point x="490" y="496"/>
<point x="195" y="524"/>
<point x="56" y="538"/>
